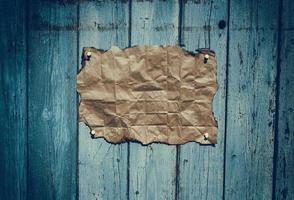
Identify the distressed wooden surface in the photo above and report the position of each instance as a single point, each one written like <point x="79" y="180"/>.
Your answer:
<point x="52" y="120"/>
<point x="103" y="167"/>
<point x="200" y="173"/>
<point x="284" y="174"/>
<point x="251" y="97"/>
<point x="13" y="102"/>
<point x="153" y="167"/>
<point x="254" y="155"/>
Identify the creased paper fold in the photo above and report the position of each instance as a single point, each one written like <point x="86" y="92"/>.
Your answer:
<point x="148" y="94"/>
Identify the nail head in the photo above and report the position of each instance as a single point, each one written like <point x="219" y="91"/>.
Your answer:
<point x="206" y="56"/>
<point x="205" y="136"/>
<point x="93" y="132"/>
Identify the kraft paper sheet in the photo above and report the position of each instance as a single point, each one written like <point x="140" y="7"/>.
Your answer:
<point x="148" y="94"/>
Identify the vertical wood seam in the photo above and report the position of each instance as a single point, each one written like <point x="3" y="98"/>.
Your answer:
<point x="178" y="147"/>
<point x="128" y="172"/>
<point x="27" y="96"/>
<point x="277" y="95"/>
<point x="130" y="24"/>
<point x="129" y="44"/>
<point x="226" y="97"/>
<point x="77" y="100"/>
<point x="209" y="25"/>
<point x="178" y="152"/>
<point x="180" y="22"/>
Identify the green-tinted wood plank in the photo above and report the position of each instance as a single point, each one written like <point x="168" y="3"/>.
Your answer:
<point x="153" y="167"/>
<point x="102" y="166"/>
<point x="201" y="167"/>
<point x="251" y="99"/>
<point x="13" y="93"/>
<point x="52" y="133"/>
<point x="285" y="133"/>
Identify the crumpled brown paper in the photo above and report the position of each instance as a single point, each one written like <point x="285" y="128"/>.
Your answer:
<point x="148" y="94"/>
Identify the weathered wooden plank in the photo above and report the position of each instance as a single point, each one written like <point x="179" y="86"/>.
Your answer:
<point x="153" y="167"/>
<point x="13" y="95"/>
<point x="251" y="99"/>
<point x="284" y="176"/>
<point x="52" y="126"/>
<point x="201" y="167"/>
<point x="103" y="167"/>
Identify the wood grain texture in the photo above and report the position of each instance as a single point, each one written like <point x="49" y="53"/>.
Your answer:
<point x="153" y="167"/>
<point x="38" y="101"/>
<point x="103" y="167"/>
<point x="52" y="127"/>
<point x="13" y="95"/>
<point x="251" y="99"/>
<point x="201" y="167"/>
<point x="284" y="179"/>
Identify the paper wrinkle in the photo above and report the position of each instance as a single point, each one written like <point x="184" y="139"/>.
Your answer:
<point x="148" y="94"/>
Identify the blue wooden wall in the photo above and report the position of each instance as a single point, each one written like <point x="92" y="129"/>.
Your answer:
<point x="46" y="154"/>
